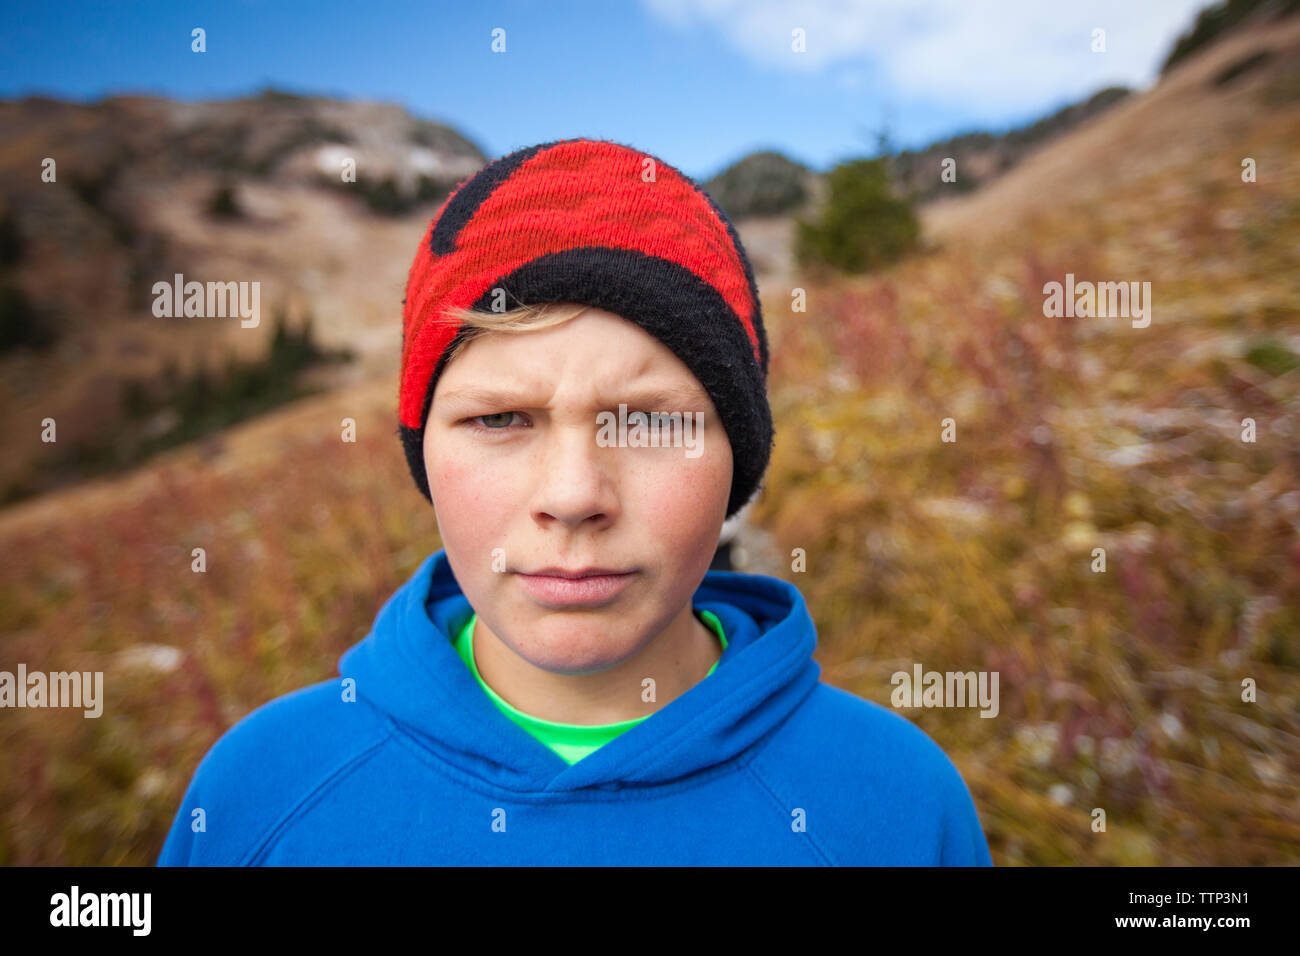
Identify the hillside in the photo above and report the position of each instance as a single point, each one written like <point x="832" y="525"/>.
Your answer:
<point x="1169" y="130"/>
<point x="130" y="206"/>
<point x="982" y="157"/>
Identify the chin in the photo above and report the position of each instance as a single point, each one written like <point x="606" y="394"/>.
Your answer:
<point x="566" y="648"/>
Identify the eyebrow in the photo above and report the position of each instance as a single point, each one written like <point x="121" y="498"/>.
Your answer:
<point x="648" y="396"/>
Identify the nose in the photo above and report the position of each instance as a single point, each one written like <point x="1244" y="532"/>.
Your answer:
<point x="577" y="480"/>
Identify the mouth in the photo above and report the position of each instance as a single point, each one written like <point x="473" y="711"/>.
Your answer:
<point x="590" y="587"/>
<point x="571" y="575"/>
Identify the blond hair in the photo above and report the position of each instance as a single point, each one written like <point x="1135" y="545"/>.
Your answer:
<point x="522" y="318"/>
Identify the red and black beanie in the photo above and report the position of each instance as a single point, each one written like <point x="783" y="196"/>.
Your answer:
<point x="600" y="224"/>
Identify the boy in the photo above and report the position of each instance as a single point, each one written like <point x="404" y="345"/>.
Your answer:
<point x="583" y="402"/>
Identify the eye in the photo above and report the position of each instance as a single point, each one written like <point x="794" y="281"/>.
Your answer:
<point x="496" y="422"/>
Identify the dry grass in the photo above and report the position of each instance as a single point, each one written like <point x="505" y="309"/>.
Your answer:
<point x="306" y="536"/>
<point x="1119" y="690"/>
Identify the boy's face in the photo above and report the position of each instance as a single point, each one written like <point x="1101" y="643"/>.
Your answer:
<point x="526" y="474"/>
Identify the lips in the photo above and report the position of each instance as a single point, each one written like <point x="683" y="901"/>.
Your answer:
<point x="591" y="587"/>
<point x="583" y="573"/>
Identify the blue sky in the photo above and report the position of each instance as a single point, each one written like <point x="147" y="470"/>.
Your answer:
<point x="699" y="83"/>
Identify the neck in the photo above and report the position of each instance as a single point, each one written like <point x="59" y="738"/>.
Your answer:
<point x="677" y="660"/>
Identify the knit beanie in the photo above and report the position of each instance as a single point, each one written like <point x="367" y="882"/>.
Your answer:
<point x="597" y="223"/>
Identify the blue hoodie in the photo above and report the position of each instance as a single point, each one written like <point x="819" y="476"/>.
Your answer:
<point x="405" y="761"/>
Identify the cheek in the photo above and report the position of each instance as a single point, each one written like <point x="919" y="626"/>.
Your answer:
<point x="465" y="497"/>
<point x="685" y="499"/>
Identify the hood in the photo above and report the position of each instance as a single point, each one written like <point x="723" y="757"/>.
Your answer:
<point x="408" y="669"/>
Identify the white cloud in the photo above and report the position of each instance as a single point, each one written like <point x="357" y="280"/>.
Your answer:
<point x="985" y="54"/>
